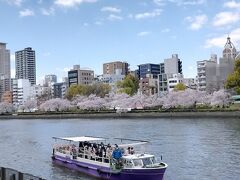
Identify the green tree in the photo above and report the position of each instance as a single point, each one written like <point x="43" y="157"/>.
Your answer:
<point x="85" y="90"/>
<point x="128" y="85"/>
<point x="233" y="80"/>
<point x="180" y="87"/>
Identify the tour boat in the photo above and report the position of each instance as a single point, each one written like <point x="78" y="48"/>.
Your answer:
<point x="118" y="161"/>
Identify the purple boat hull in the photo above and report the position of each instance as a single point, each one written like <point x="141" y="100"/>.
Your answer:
<point x="107" y="173"/>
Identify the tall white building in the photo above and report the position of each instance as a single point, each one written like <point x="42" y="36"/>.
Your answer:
<point x="5" y="76"/>
<point x="22" y="91"/>
<point x="174" y="80"/>
<point x="25" y="65"/>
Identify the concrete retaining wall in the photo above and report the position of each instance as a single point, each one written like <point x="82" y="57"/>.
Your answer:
<point x="232" y="114"/>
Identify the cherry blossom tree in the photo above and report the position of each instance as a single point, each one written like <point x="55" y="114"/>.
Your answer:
<point x="56" y="105"/>
<point x="220" y="98"/>
<point x="28" y="106"/>
<point x="93" y="102"/>
<point x="6" y="108"/>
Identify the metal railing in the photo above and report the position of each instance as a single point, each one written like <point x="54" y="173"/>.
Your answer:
<point x="11" y="174"/>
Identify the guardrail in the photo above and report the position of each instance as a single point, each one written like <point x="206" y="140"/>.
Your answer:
<point x="11" y="174"/>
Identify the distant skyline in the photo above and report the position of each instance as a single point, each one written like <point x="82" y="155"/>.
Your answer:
<point x="93" y="32"/>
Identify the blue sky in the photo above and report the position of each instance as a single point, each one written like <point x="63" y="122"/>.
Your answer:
<point x="92" y="32"/>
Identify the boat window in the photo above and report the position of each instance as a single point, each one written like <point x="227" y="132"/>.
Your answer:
<point x="137" y="162"/>
<point x="153" y="160"/>
<point x="128" y="163"/>
<point x="146" y="161"/>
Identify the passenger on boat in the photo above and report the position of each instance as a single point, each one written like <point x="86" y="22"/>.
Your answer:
<point x="132" y="150"/>
<point x="117" y="153"/>
<point x="129" y="150"/>
<point x="108" y="151"/>
<point x="117" y="157"/>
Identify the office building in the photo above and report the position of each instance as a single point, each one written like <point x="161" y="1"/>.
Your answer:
<point x="50" y="79"/>
<point x="7" y="97"/>
<point x="80" y="76"/>
<point x="148" y="85"/>
<point x="148" y="68"/>
<point x="25" y="65"/>
<point x="170" y="71"/>
<point x="116" y="67"/>
<point x="59" y="90"/>
<point x="173" y="65"/>
<point x="5" y="75"/>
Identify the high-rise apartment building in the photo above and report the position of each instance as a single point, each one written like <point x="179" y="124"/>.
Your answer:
<point x="206" y="73"/>
<point x="5" y="75"/>
<point x="25" y="65"/>
<point x="116" y="67"/>
<point x="22" y="91"/>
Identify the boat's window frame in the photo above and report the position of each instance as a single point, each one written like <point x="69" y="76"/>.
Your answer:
<point x="137" y="160"/>
<point x="128" y="163"/>
<point x="149" y="160"/>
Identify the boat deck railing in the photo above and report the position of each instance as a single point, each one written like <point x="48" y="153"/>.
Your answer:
<point x="76" y="152"/>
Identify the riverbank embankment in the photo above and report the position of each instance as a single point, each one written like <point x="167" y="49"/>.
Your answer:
<point x="95" y="115"/>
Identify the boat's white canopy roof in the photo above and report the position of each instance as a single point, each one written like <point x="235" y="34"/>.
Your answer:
<point x="132" y="144"/>
<point x="137" y="156"/>
<point x="80" y="138"/>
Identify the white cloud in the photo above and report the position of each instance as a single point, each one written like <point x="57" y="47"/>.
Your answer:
<point x="85" y="24"/>
<point x="48" y="12"/>
<point x="14" y="2"/>
<point x="188" y="2"/>
<point x="26" y="12"/>
<point x="197" y="22"/>
<point x="225" y="18"/>
<point x="113" y="17"/>
<point x="166" y="30"/>
<point x="143" y="33"/>
<point x="154" y="13"/>
<point x="159" y="2"/>
<point x="72" y="3"/>
<point x="99" y="23"/>
<point x="231" y="4"/>
<point x="221" y="40"/>
<point x="111" y="9"/>
<point x="66" y="69"/>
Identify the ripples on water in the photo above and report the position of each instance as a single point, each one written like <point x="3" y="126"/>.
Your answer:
<point x="193" y="148"/>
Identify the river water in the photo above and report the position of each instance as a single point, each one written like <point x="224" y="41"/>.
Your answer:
<point x="201" y="149"/>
